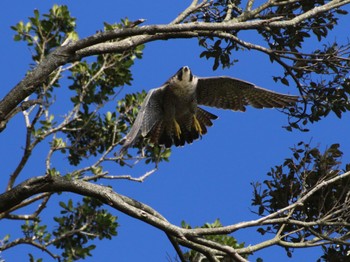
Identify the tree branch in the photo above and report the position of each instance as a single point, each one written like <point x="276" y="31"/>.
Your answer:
<point x="28" y="242"/>
<point x="311" y="13"/>
<point x="189" y="10"/>
<point x="186" y="237"/>
<point x="74" y="51"/>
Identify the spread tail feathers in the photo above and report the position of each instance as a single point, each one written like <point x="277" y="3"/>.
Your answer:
<point x="165" y="133"/>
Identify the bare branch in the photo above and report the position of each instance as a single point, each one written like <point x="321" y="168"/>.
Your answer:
<point x="29" y="146"/>
<point x="249" y="5"/>
<point x="270" y="219"/>
<point x="127" y="177"/>
<point x="311" y="13"/>
<point x="28" y="241"/>
<point x="27" y="202"/>
<point x="188" y="11"/>
<point x="177" y="248"/>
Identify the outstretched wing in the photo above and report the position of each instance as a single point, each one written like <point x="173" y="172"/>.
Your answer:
<point x="149" y="114"/>
<point x="235" y="94"/>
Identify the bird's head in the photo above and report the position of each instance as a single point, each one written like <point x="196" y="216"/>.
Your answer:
<point x="183" y="77"/>
<point x="184" y="74"/>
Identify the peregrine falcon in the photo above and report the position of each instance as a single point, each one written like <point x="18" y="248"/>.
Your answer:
<point x="170" y="115"/>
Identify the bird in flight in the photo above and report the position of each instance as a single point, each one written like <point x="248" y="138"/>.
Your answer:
<point x="170" y="114"/>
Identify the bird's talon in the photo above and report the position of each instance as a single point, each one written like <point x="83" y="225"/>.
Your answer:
<point x="177" y="129"/>
<point x="197" y="125"/>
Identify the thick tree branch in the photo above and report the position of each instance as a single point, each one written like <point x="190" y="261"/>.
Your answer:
<point x="186" y="237"/>
<point x="70" y="52"/>
<point x="56" y="184"/>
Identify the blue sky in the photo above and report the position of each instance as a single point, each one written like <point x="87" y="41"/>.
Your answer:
<point x="204" y="181"/>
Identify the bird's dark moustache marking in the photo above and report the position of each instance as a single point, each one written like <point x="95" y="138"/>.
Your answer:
<point x="191" y="76"/>
<point x="179" y="74"/>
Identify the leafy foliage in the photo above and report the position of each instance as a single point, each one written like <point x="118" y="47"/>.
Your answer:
<point x="331" y="91"/>
<point x="84" y="132"/>
<point x="336" y="253"/>
<point x="221" y="55"/>
<point x="307" y="169"/>
<point x="220" y="50"/>
<point x="292" y="38"/>
<point x="33" y="230"/>
<point x="45" y="34"/>
<point x="80" y="224"/>
<point x="320" y="75"/>
<point x="95" y="84"/>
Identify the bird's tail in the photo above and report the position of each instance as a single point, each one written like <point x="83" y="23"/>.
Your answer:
<point x="166" y="133"/>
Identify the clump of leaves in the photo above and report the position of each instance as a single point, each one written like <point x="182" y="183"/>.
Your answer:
<point x="43" y="33"/>
<point x="46" y="32"/>
<point x="87" y="132"/>
<point x="321" y="75"/>
<point x="95" y="84"/>
<point x="336" y="253"/>
<point x="34" y="230"/>
<point x="307" y="169"/>
<point x="80" y="224"/>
